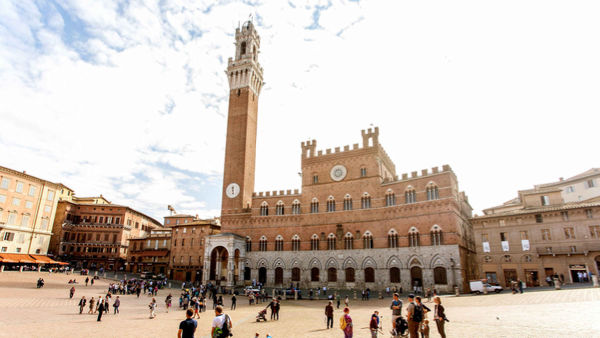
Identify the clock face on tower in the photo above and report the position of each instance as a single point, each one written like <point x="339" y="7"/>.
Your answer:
<point x="233" y="189"/>
<point x="338" y="172"/>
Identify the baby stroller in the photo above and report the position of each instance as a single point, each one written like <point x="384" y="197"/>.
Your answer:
<point x="401" y="328"/>
<point x="262" y="315"/>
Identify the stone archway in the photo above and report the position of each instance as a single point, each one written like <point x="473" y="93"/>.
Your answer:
<point x="262" y="275"/>
<point x="416" y="276"/>
<point x="218" y="264"/>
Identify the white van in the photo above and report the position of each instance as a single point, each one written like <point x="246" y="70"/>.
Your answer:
<point x="478" y="285"/>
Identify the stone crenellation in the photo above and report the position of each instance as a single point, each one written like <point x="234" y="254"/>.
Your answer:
<point x="288" y="192"/>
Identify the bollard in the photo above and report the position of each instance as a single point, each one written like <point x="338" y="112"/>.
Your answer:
<point x="295" y="294"/>
<point x="456" y="292"/>
<point x="594" y="280"/>
<point x="485" y="290"/>
<point x="273" y="293"/>
<point x="380" y="295"/>
<point x="556" y="284"/>
<point x="355" y="295"/>
<point x="169" y="285"/>
<point x="21" y="269"/>
<point x="39" y="268"/>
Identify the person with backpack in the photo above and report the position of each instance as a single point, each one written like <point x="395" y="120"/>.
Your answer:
<point x="221" y="325"/>
<point x="414" y="316"/>
<point x="346" y="323"/>
<point x="396" y="311"/>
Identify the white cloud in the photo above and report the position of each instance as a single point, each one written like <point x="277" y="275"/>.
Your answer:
<point x="119" y="91"/>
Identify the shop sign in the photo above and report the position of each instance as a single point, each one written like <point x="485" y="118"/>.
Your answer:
<point x="577" y="266"/>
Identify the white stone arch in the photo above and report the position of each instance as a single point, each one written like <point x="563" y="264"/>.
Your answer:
<point x="369" y="262"/>
<point x="295" y="237"/>
<point x="436" y="227"/>
<point x="262" y="263"/>
<point x="349" y="262"/>
<point x="315" y="263"/>
<point x="331" y="263"/>
<point x="413" y="230"/>
<point x="264" y="204"/>
<point x="263" y="238"/>
<point x="438" y="260"/>
<point x="392" y="231"/>
<point x="394" y="262"/>
<point x="279" y="238"/>
<point x="295" y="263"/>
<point x="389" y="191"/>
<point x="331" y="235"/>
<point x="314" y="200"/>
<point x="431" y="184"/>
<point x="296" y="201"/>
<point x="280" y="202"/>
<point x="414" y="260"/>
<point x="409" y="188"/>
<point x="347" y="196"/>
<point x="366" y="194"/>
<point x="314" y="236"/>
<point x="367" y="233"/>
<point x="330" y="198"/>
<point x="348" y="235"/>
<point x="279" y="263"/>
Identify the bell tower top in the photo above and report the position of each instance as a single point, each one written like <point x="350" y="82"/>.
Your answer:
<point x="244" y="70"/>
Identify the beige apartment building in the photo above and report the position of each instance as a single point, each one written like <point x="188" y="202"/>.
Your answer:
<point x="539" y="234"/>
<point x="150" y="253"/>
<point x="27" y="208"/>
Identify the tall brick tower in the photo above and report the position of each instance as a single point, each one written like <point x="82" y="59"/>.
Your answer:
<point x="245" y="81"/>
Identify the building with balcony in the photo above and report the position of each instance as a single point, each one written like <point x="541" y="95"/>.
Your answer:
<point x="150" y="253"/>
<point x="539" y="234"/>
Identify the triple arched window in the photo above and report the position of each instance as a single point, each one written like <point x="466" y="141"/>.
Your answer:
<point x="365" y="201"/>
<point x="347" y="202"/>
<point x="296" y="207"/>
<point x="432" y="192"/>
<point x="331" y="242"/>
<point x="264" y="209"/>
<point x="296" y="243"/>
<point x="436" y="235"/>
<point x="279" y="243"/>
<point x="314" y="206"/>
<point x="413" y="237"/>
<point x="392" y="238"/>
<point x="368" y="240"/>
<point x="348" y="241"/>
<point x="330" y="204"/>
<point x="390" y="198"/>
<point x="410" y="195"/>
<point x="248" y="244"/>
<point x="314" y="242"/>
<point x="262" y="244"/>
<point x="279" y="208"/>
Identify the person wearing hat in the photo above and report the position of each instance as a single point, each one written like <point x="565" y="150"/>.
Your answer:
<point x="413" y="326"/>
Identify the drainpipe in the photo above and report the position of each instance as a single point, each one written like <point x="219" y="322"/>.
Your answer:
<point x="36" y="217"/>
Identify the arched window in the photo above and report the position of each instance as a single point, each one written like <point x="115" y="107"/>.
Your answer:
<point x="439" y="275"/>
<point x="436" y="235"/>
<point x="348" y="241"/>
<point x="394" y="275"/>
<point x="349" y="275"/>
<point x="330" y="204"/>
<point x="264" y="209"/>
<point x="410" y="195"/>
<point x="390" y="198"/>
<point x="279" y="208"/>
<point x="332" y="275"/>
<point x="278" y="243"/>
<point x="365" y="201"/>
<point x="363" y="172"/>
<point x="413" y="237"/>
<point x="314" y="274"/>
<point x="369" y="275"/>
<point x="248" y="244"/>
<point x="243" y="48"/>
<point x="392" y="238"/>
<point x="347" y="202"/>
<point x="296" y="243"/>
<point x="262" y="244"/>
<point x="368" y="240"/>
<point x="314" y="242"/>
<point x="296" y="207"/>
<point x="432" y="192"/>
<point x="331" y="242"/>
<point x="314" y="206"/>
<point x="295" y="274"/>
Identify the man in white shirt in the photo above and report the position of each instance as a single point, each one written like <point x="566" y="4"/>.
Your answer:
<point x="219" y="323"/>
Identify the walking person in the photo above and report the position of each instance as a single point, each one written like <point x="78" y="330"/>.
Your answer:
<point x="233" y="302"/>
<point x="152" y="307"/>
<point x="221" y="325"/>
<point x="116" y="305"/>
<point x="396" y="312"/>
<point x="374" y="324"/>
<point x="329" y="314"/>
<point x="277" y="307"/>
<point x="338" y="299"/>
<point x="196" y="309"/>
<point x="272" y="307"/>
<point x="92" y="301"/>
<point x="168" y="302"/>
<point x="346" y="323"/>
<point x="414" y="316"/>
<point x="100" y="311"/>
<point x="82" y="302"/>
<point x="72" y="292"/>
<point x="187" y="327"/>
<point x="347" y="302"/>
<point x="439" y="316"/>
<point x="87" y="279"/>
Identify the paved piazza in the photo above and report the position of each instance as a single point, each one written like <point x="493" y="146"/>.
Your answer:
<point x="29" y="312"/>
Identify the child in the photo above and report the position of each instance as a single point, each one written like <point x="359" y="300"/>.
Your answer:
<point x="424" y="329"/>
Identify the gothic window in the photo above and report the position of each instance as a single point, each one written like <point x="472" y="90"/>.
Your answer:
<point x="363" y="172"/>
<point x="315" y="179"/>
<point x="348" y="241"/>
<point x="314" y="206"/>
<point x="413" y="237"/>
<point x="314" y="242"/>
<point x="263" y="243"/>
<point x="264" y="209"/>
<point x="279" y="243"/>
<point x="296" y="243"/>
<point x="390" y="198"/>
<point x="368" y="240"/>
<point x="365" y="201"/>
<point x="331" y="242"/>
<point x="394" y="275"/>
<point x="279" y="208"/>
<point x="248" y="244"/>
<point x="295" y="274"/>
<point x="432" y="192"/>
<point x="439" y="276"/>
<point x="347" y="202"/>
<point x="332" y="275"/>
<point x="243" y="48"/>
<point x="410" y="195"/>
<point x="349" y="275"/>
<point x="436" y="235"/>
<point x="369" y="275"/>
<point x="392" y="239"/>
<point x="330" y="204"/>
<point x="314" y="274"/>
<point x="296" y="207"/>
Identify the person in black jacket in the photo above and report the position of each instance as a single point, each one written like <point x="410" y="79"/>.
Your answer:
<point x="439" y="316"/>
<point x="82" y="304"/>
<point x="101" y="310"/>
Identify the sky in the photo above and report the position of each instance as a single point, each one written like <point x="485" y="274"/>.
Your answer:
<point x="128" y="99"/>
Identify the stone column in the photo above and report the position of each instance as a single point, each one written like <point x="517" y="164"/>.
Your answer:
<point x="594" y="280"/>
<point x="230" y="266"/>
<point x="218" y="268"/>
<point x="405" y="281"/>
<point x="206" y="275"/>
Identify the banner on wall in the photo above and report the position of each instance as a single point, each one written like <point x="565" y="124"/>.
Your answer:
<point x="504" y="245"/>
<point x="525" y="244"/>
<point x="486" y="246"/>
